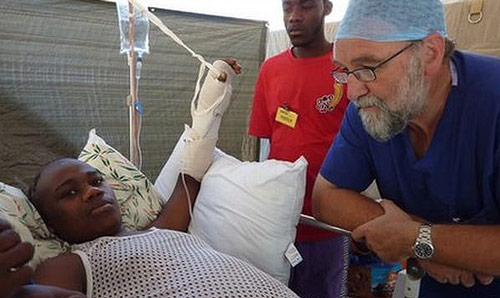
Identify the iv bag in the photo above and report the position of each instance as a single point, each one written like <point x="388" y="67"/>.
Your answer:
<point x="141" y="37"/>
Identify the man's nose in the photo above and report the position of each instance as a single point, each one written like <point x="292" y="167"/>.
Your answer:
<point x="295" y="15"/>
<point x="355" y="88"/>
<point x="92" y="192"/>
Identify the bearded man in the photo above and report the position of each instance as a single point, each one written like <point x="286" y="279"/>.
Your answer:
<point x="424" y="122"/>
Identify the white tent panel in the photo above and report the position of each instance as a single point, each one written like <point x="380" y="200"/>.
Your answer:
<point x="482" y="37"/>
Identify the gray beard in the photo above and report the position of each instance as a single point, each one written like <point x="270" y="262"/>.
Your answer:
<point x="407" y="102"/>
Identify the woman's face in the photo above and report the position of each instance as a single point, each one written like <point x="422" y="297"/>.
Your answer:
<point x="76" y="203"/>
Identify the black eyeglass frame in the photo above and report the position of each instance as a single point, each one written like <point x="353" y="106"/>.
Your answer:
<point x="341" y="76"/>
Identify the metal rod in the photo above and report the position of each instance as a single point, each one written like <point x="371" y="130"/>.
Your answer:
<point x="133" y="114"/>
<point x="313" y="222"/>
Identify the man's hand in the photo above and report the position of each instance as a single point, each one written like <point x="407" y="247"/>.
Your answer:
<point x="234" y="65"/>
<point x="454" y="276"/>
<point x="13" y="258"/>
<point x="390" y="236"/>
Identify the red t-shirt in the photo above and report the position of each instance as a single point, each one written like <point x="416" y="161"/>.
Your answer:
<point x="305" y="87"/>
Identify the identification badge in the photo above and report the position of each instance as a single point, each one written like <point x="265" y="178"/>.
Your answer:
<point x="286" y="117"/>
<point x="293" y="255"/>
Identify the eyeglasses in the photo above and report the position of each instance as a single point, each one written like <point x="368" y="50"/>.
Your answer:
<point x="365" y="74"/>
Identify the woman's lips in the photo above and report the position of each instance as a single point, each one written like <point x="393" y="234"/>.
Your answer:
<point x="100" y="208"/>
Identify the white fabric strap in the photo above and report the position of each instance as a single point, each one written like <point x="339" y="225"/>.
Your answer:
<point x="155" y="20"/>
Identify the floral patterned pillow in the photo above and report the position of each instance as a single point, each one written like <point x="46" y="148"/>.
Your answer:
<point x="140" y="203"/>
<point x="25" y="220"/>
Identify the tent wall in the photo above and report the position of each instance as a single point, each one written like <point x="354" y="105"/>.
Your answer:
<point x="278" y="41"/>
<point x="483" y="37"/>
<point x="61" y="75"/>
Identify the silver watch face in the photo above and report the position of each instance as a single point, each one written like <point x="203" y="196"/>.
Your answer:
<point x="423" y="250"/>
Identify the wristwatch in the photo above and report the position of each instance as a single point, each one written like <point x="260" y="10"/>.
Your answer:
<point x="423" y="247"/>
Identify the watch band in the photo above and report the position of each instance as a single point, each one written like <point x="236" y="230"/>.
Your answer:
<point x="423" y="248"/>
<point x="424" y="233"/>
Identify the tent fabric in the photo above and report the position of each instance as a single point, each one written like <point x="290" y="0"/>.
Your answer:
<point x="61" y="75"/>
<point x="278" y="41"/>
<point x="483" y="37"/>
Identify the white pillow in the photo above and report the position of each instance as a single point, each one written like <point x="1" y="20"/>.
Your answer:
<point x="250" y="210"/>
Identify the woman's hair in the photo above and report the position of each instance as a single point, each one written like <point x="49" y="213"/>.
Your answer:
<point x="32" y="191"/>
<point x="33" y="195"/>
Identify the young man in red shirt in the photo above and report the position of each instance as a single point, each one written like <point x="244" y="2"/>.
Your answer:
<point x="298" y="107"/>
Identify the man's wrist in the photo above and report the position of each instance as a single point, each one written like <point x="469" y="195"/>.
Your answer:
<point x="423" y="247"/>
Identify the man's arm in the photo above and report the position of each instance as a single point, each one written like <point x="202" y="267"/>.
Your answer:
<point x="342" y="207"/>
<point x="392" y="239"/>
<point x="473" y="248"/>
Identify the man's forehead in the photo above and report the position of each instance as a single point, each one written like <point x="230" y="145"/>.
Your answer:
<point x="299" y="1"/>
<point x="61" y="168"/>
<point x="358" y="51"/>
<point x="68" y="163"/>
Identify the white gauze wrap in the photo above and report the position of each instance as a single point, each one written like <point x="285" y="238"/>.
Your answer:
<point x="213" y="101"/>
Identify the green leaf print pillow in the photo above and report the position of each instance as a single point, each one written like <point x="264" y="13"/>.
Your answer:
<point x="139" y="202"/>
<point x="25" y="220"/>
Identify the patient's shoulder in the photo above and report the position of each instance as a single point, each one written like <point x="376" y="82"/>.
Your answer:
<point x="65" y="271"/>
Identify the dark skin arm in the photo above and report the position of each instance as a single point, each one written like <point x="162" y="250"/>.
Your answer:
<point x="175" y="213"/>
<point x="38" y="291"/>
<point x="64" y="271"/>
<point x="13" y="254"/>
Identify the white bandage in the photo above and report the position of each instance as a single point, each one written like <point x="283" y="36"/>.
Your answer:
<point x="213" y="101"/>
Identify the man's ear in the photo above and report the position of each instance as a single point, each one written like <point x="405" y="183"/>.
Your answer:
<point x="433" y="53"/>
<point x="328" y="7"/>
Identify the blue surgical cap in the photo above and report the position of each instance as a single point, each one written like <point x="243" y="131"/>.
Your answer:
<point x="392" y="20"/>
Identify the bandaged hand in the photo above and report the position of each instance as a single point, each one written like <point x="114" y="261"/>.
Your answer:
<point x="213" y="101"/>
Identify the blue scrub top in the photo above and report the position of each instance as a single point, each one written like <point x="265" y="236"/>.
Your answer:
<point x="458" y="178"/>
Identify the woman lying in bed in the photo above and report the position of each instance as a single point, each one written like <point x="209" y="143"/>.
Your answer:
<point x="107" y="260"/>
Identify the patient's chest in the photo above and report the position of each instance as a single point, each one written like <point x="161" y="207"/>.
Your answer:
<point x="163" y="263"/>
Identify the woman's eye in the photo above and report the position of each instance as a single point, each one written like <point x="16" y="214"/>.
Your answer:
<point x="69" y="193"/>
<point x="98" y="181"/>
